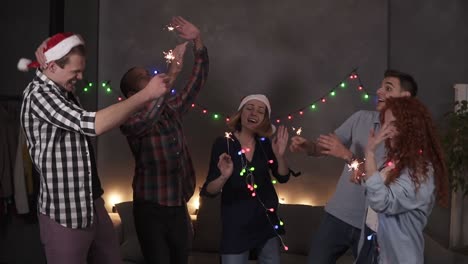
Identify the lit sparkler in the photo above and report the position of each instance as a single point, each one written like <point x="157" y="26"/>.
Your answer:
<point x="171" y="27"/>
<point x="228" y="137"/>
<point x="298" y="130"/>
<point x="169" y="56"/>
<point x="354" y="166"/>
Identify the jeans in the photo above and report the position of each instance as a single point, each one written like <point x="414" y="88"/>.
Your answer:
<point x="269" y="253"/>
<point x="331" y="241"/>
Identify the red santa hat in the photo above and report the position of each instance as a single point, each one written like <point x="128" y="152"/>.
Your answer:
<point x="56" y="47"/>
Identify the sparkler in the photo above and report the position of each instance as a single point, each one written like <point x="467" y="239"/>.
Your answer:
<point x="298" y="130"/>
<point x="169" y="56"/>
<point x="171" y="27"/>
<point x="354" y="166"/>
<point x="228" y="135"/>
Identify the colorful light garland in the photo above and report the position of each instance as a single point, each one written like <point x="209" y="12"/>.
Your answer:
<point x="299" y="112"/>
<point x="247" y="172"/>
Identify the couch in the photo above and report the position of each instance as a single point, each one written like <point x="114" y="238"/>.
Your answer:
<point x="301" y="221"/>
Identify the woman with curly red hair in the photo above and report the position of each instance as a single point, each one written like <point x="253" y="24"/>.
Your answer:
<point x="401" y="193"/>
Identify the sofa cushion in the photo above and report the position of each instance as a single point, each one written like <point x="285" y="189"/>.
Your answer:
<point x="125" y="211"/>
<point x="131" y="251"/>
<point x="208" y="226"/>
<point x="130" y="247"/>
<point x="301" y="221"/>
<point x="117" y="223"/>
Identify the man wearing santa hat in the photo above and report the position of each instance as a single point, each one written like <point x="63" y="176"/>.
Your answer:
<point x="74" y="225"/>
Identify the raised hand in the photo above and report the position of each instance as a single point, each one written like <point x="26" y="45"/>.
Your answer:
<point x="157" y="86"/>
<point x="388" y="130"/>
<point x="178" y="61"/>
<point x="225" y="165"/>
<point x="299" y="144"/>
<point x="185" y="29"/>
<point x="331" y="145"/>
<point x="280" y="142"/>
<point x="40" y="57"/>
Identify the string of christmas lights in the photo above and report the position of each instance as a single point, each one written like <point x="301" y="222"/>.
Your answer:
<point x="351" y="79"/>
<point x="247" y="172"/>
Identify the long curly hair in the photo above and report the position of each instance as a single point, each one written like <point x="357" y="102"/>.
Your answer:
<point x="416" y="146"/>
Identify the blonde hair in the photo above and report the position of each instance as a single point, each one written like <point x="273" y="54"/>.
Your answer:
<point x="264" y="129"/>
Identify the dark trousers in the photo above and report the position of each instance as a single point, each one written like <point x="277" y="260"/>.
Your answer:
<point x="331" y="241"/>
<point x="369" y="253"/>
<point x="163" y="232"/>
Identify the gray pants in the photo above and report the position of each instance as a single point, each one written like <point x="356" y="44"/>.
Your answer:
<point x="97" y="244"/>
<point x="268" y="254"/>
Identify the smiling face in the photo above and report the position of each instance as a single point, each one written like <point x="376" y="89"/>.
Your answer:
<point x="390" y="87"/>
<point x="71" y="72"/>
<point x="253" y="114"/>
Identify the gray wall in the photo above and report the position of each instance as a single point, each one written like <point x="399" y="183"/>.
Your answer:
<point x="292" y="51"/>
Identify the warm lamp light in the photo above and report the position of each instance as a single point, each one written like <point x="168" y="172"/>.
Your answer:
<point x="196" y="203"/>
<point x="306" y="202"/>
<point x="114" y="198"/>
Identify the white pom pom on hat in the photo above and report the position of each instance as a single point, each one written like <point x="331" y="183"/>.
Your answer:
<point x="56" y="47"/>
<point x="25" y="64"/>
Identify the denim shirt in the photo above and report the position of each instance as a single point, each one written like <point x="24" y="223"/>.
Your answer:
<point x="402" y="215"/>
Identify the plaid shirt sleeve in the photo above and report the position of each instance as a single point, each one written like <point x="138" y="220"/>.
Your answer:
<point x="139" y="123"/>
<point x="186" y="97"/>
<point x="52" y="107"/>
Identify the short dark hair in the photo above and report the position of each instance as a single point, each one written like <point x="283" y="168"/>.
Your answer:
<point x="126" y="84"/>
<point x="79" y="50"/>
<point x="407" y="81"/>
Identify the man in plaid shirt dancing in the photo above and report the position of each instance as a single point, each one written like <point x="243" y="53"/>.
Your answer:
<point x="164" y="177"/>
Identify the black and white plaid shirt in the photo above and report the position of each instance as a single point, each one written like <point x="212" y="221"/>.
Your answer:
<point x="56" y="130"/>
